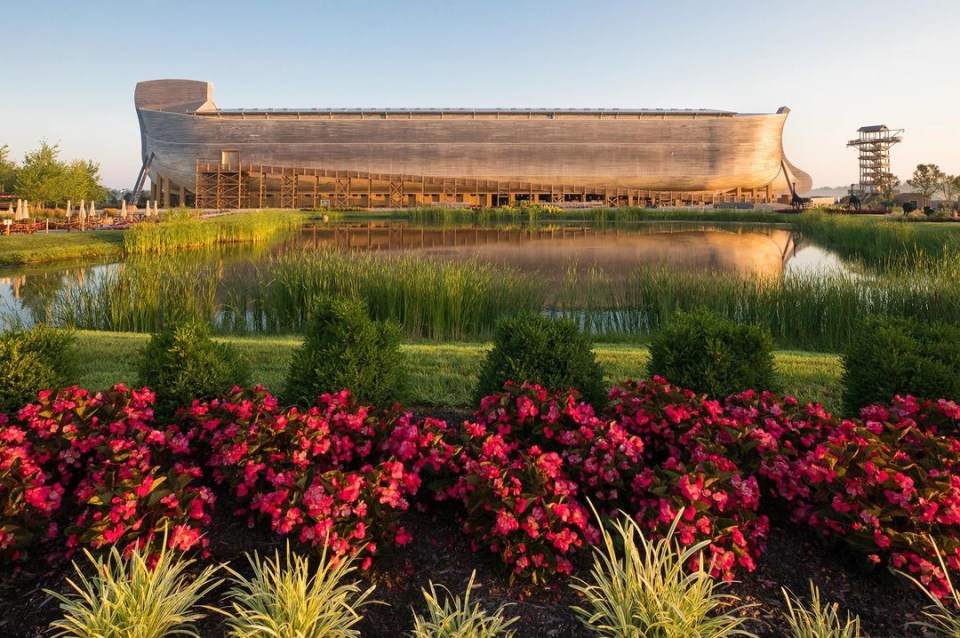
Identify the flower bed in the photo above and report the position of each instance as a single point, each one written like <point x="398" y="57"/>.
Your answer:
<point x="81" y="470"/>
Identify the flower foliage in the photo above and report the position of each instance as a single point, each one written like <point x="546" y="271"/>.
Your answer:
<point x="883" y="483"/>
<point x="338" y="472"/>
<point x="103" y="455"/>
<point x="690" y="469"/>
<point x="86" y="471"/>
<point x="531" y="453"/>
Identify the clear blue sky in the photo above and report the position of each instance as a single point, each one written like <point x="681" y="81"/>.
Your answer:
<point x="68" y="68"/>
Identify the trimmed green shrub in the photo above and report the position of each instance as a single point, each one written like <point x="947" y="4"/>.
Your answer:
<point x="890" y="356"/>
<point x="707" y="353"/>
<point x="33" y="360"/>
<point x="344" y="349"/>
<point x="182" y="363"/>
<point x="553" y="353"/>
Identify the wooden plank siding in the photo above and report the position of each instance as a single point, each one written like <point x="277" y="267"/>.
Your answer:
<point x="616" y="155"/>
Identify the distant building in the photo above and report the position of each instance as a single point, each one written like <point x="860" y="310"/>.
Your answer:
<point x="822" y="200"/>
<point x="195" y="152"/>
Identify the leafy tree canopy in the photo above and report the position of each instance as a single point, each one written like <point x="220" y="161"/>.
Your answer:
<point x="45" y="179"/>
<point x="950" y="187"/>
<point x="927" y="179"/>
<point x="8" y="170"/>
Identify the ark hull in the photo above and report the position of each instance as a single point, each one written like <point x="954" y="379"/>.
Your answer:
<point x="704" y="152"/>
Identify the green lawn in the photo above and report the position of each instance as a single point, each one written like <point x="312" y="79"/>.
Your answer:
<point x="440" y="374"/>
<point x="44" y="247"/>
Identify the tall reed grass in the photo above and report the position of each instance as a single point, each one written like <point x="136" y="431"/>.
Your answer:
<point x="429" y="299"/>
<point x="450" y="300"/>
<point x="818" y="312"/>
<point x="180" y="230"/>
<point x="139" y="295"/>
<point x="880" y="243"/>
<point x="546" y="214"/>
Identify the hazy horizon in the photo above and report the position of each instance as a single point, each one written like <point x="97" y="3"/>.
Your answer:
<point x="838" y="66"/>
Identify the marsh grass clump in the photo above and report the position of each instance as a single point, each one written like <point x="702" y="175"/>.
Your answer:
<point x="707" y="353"/>
<point x="344" y="349"/>
<point x="553" y="353"/>
<point x="819" y="620"/>
<point x="643" y="587"/>
<point x="182" y="363"/>
<point x="891" y="356"/>
<point x="455" y="618"/>
<point x="289" y="599"/>
<point x="182" y="229"/>
<point x="132" y="596"/>
<point x="429" y="299"/>
<point x="41" y="358"/>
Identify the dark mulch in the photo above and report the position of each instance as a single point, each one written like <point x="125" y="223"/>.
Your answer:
<point x="440" y="552"/>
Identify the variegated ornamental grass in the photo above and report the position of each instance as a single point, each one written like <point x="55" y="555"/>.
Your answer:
<point x="290" y="598"/>
<point x="818" y="619"/>
<point x="148" y="593"/>
<point x="646" y="588"/>
<point x="456" y="618"/>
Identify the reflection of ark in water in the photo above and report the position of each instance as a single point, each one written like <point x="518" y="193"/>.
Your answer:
<point x="551" y="252"/>
<point x="232" y="158"/>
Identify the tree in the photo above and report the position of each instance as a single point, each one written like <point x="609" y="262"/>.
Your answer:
<point x="8" y="170"/>
<point x="45" y="179"/>
<point x="81" y="180"/>
<point x="40" y="179"/>
<point x="927" y="179"/>
<point x="887" y="184"/>
<point x="951" y="188"/>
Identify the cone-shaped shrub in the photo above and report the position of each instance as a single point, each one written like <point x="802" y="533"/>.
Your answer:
<point x="553" y="353"/>
<point x="33" y="360"/>
<point x="707" y="353"/>
<point x="344" y="349"/>
<point x="182" y="363"/>
<point x="895" y="356"/>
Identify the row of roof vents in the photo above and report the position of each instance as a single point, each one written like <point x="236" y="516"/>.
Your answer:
<point x="481" y="110"/>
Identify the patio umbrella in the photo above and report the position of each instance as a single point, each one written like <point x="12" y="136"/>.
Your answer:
<point x="123" y="209"/>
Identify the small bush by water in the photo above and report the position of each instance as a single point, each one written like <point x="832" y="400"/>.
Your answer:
<point x="33" y="360"/>
<point x="344" y="349"/>
<point x="182" y="363"/>
<point x="707" y="353"/>
<point x="890" y="356"/>
<point x="553" y="353"/>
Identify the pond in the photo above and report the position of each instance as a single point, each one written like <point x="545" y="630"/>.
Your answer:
<point x="560" y="266"/>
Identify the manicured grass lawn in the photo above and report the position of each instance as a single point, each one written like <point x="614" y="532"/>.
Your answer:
<point x="43" y="247"/>
<point x="440" y="374"/>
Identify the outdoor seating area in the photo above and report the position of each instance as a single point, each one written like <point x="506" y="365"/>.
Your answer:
<point x="24" y="219"/>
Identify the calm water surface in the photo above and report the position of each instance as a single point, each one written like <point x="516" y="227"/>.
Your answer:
<point x="549" y="252"/>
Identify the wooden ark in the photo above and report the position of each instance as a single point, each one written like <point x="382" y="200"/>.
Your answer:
<point x="197" y="153"/>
